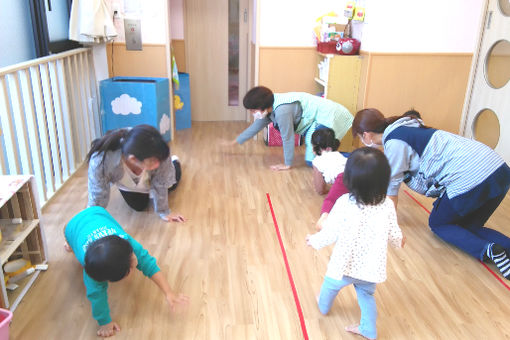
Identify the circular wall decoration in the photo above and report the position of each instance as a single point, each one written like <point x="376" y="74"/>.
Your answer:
<point x="486" y="128"/>
<point x="497" y="64"/>
<point x="504" y="6"/>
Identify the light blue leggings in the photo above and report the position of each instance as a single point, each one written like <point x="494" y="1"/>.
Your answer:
<point x="365" y="292"/>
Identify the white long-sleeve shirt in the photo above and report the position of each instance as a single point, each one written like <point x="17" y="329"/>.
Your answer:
<point x="361" y="233"/>
<point x="330" y="164"/>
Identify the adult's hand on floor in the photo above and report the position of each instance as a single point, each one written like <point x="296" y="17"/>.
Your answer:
<point x="174" y="217"/>
<point x="227" y="143"/>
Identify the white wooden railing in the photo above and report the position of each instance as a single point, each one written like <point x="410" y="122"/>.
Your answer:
<point x="49" y="114"/>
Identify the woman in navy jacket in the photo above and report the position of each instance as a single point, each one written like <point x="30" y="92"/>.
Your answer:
<point x="467" y="177"/>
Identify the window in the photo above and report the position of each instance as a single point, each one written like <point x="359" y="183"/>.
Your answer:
<point x="31" y="29"/>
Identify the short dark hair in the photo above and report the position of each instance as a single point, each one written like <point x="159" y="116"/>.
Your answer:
<point x="258" y="98"/>
<point x="108" y="258"/>
<point x="324" y="138"/>
<point x="367" y="175"/>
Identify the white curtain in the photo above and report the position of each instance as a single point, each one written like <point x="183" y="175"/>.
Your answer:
<point x="91" y="22"/>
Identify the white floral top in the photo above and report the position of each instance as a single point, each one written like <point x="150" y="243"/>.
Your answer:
<point x="361" y="233"/>
<point x="330" y="165"/>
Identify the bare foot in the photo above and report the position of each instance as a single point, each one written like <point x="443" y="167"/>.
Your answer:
<point x="67" y="247"/>
<point x="355" y="329"/>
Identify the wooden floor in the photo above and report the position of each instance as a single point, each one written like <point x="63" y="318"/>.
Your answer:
<point x="226" y="257"/>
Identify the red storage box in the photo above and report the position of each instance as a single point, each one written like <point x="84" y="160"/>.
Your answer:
<point x="272" y="137"/>
<point x="327" y="47"/>
<point x="345" y="46"/>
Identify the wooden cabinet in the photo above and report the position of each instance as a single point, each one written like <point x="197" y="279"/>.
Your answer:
<point x="340" y="77"/>
<point x="22" y="235"/>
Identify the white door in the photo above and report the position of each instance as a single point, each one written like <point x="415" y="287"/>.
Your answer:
<point x="216" y="40"/>
<point x="487" y="110"/>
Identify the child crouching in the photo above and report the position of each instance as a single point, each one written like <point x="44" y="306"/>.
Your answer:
<point x="108" y="253"/>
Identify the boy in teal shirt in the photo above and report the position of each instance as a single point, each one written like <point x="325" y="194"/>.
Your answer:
<point x="108" y="253"/>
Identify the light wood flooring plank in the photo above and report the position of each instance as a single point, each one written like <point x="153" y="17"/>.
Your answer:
<point x="227" y="258"/>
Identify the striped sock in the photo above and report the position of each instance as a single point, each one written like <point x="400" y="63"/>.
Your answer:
<point x="500" y="258"/>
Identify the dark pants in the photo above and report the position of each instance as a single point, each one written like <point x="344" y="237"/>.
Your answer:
<point x="467" y="232"/>
<point x="139" y="201"/>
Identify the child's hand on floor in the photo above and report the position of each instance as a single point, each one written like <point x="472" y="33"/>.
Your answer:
<point x="279" y="167"/>
<point x="174" y="217"/>
<point x="108" y="329"/>
<point x="176" y="300"/>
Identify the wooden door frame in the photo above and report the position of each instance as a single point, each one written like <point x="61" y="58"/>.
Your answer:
<point x="474" y="64"/>
<point x="253" y="14"/>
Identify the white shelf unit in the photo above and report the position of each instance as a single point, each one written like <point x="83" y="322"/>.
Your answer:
<point x="341" y="84"/>
<point x="22" y="235"/>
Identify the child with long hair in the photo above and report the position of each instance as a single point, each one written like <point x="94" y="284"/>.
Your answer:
<point x="360" y="224"/>
<point x="138" y="161"/>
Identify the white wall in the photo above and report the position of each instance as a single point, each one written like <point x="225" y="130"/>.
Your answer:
<point x="396" y="26"/>
<point x="422" y="26"/>
<point x="152" y="14"/>
<point x="291" y="22"/>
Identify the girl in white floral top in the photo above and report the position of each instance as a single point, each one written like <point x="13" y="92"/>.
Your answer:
<point x="360" y="224"/>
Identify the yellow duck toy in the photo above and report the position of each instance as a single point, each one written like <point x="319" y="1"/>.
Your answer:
<point x="178" y="104"/>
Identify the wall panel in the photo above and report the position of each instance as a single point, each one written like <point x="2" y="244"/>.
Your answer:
<point x="434" y="84"/>
<point x="288" y="69"/>
<point x="180" y="54"/>
<point x="150" y="62"/>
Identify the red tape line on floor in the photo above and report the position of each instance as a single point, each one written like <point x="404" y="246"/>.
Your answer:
<point x="291" y="280"/>
<point x="486" y="267"/>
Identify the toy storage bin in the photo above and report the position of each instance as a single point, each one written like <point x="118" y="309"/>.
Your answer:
<point x="182" y="104"/>
<point x="130" y="101"/>
<point x="5" y="321"/>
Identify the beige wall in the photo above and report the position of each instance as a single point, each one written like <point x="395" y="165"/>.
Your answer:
<point x="150" y="62"/>
<point x="179" y="52"/>
<point x="286" y="69"/>
<point x="434" y="84"/>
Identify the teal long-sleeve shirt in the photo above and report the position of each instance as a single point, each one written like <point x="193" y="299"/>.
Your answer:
<point x="88" y="226"/>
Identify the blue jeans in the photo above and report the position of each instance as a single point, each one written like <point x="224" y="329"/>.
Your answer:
<point x="365" y="293"/>
<point x="467" y="232"/>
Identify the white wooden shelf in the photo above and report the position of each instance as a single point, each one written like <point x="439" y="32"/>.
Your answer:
<point x="321" y="82"/>
<point x="22" y="235"/>
<point x="341" y="84"/>
<point x="12" y="237"/>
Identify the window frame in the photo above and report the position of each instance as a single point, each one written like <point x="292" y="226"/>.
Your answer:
<point x="43" y="46"/>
